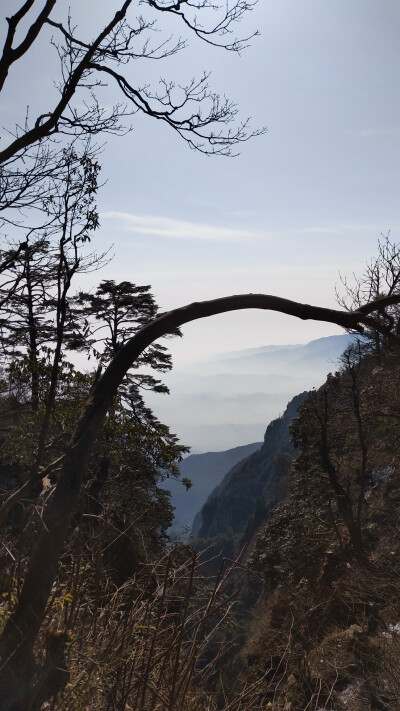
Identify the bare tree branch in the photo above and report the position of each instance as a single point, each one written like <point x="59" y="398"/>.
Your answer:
<point x="12" y="54"/>
<point x="23" y="626"/>
<point x="42" y="129"/>
<point x="82" y="60"/>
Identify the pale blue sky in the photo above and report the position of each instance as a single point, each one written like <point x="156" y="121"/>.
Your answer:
<point x="307" y="199"/>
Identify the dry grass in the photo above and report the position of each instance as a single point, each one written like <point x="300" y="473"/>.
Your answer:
<point x="152" y="644"/>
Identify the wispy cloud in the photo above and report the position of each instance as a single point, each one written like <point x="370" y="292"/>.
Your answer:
<point x="339" y="229"/>
<point x="318" y="230"/>
<point x="172" y="228"/>
<point x="375" y="132"/>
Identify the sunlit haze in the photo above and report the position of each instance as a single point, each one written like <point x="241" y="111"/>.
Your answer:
<point x="300" y="204"/>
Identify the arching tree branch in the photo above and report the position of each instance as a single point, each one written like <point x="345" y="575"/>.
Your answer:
<point x="23" y="626"/>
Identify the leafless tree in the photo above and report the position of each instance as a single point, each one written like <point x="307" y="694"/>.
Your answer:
<point x="193" y="110"/>
<point x="35" y="314"/>
<point x="380" y="278"/>
<point x="32" y="151"/>
<point x="22" y="628"/>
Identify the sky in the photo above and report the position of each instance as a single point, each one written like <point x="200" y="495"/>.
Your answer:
<point x="305" y="201"/>
<point x="301" y="204"/>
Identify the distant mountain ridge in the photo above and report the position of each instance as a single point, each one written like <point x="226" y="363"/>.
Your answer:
<point x="325" y="345"/>
<point x="205" y="472"/>
<point x="242" y="501"/>
<point x="221" y="403"/>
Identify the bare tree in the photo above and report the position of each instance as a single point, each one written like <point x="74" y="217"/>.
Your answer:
<point x="331" y="465"/>
<point x="36" y="277"/>
<point x="32" y="155"/>
<point x="380" y="278"/>
<point x="35" y="314"/>
<point x="336" y="434"/>
<point x="22" y="628"/>
<point x="195" y="112"/>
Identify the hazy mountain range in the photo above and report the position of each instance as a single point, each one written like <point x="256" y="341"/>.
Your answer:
<point x="228" y="401"/>
<point x="232" y="399"/>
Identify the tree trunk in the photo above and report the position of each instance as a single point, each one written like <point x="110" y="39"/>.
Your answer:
<point x="22" y="628"/>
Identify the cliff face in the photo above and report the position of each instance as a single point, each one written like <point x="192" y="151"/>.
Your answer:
<point x="320" y="525"/>
<point x="250" y="490"/>
<point x="325" y="632"/>
<point x="205" y="472"/>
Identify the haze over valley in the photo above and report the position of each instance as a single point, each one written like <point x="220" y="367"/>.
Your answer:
<point x="222" y="407"/>
<point x="228" y="401"/>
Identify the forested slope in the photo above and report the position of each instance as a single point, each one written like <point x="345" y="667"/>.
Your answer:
<point x="249" y="491"/>
<point x="325" y="630"/>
